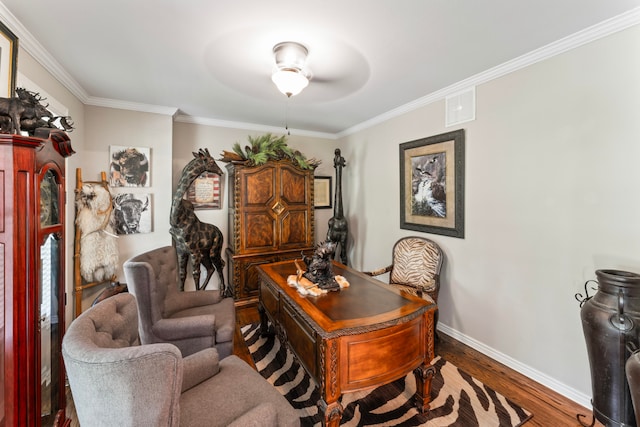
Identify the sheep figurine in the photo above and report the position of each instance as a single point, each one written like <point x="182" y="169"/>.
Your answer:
<point x="98" y="246"/>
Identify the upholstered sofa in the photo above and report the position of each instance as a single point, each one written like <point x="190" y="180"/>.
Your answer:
<point x="190" y="320"/>
<point x="115" y="381"/>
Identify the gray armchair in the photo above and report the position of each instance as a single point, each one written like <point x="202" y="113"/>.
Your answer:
<point x="115" y="381"/>
<point x="190" y="320"/>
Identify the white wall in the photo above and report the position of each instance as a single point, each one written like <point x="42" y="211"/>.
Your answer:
<point x="551" y="195"/>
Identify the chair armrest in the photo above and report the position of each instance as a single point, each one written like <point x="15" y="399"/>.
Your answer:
<point x="188" y="299"/>
<point x="98" y="376"/>
<point x="199" y="367"/>
<point x="379" y="271"/>
<point x="185" y="327"/>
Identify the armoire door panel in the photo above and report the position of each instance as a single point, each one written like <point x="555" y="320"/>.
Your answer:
<point x="294" y="229"/>
<point x="258" y="188"/>
<point x="293" y="187"/>
<point x="259" y="231"/>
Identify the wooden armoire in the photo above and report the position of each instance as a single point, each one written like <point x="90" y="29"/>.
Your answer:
<point x="271" y="218"/>
<point x="32" y="287"/>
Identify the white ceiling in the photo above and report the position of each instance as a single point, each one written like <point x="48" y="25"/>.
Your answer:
<point x="211" y="60"/>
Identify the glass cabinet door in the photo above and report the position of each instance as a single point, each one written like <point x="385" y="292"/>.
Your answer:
<point x="50" y="284"/>
<point x="49" y="200"/>
<point x="49" y="329"/>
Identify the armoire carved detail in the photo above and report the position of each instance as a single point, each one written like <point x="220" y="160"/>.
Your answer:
<point x="271" y="218"/>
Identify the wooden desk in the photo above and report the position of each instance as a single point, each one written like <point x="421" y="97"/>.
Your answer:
<point x="361" y="337"/>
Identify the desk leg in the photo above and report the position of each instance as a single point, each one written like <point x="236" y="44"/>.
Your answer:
<point x="424" y="374"/>
<point x="329" y="403"/>
<point x="332" y="413"/>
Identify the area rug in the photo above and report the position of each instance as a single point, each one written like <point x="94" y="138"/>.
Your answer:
<point x="457" y="398"/>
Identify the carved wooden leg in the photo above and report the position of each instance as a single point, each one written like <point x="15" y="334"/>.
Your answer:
<point x="424" y="374"/>
<point x="332" y="413"/>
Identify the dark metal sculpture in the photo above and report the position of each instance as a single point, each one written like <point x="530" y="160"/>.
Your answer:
<point x="195" y="240"/>
<point x="338" y="227"/>
<point x="320" y="268"/>
<point x="25" y="112"/>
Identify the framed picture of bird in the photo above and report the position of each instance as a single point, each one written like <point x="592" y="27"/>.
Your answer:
<point x="432" y="184"/>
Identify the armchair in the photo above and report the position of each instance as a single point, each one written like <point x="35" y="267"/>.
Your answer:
<point x="115" y="381"/>
<point x="190" y="320"/>
<point x="415" y="267"/>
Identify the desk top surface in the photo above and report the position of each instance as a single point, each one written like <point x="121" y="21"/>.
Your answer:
<point x="364" y="303"/>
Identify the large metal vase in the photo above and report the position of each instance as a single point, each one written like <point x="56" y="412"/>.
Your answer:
<point x="611" y="321"/>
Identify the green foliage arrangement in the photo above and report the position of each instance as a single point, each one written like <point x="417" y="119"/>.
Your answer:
<point x="267" y="147"/>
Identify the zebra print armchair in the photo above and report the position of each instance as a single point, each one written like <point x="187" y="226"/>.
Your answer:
<point x="415" y="267"/>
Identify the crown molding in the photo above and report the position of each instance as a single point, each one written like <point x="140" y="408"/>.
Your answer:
<point x="30" y="45"/>
<point x="250" y="126"/>
<point x="133" y="106"/>
<point x="595" y="32"/>
<point x="590" y="34"/>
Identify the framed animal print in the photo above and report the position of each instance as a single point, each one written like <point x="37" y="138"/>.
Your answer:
<point x="130" y="166"/>
<point x="432" y="184"/>
<point x="132" y="213"/>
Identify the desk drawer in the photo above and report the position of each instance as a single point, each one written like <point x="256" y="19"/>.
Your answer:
<point x="301" y="338"/>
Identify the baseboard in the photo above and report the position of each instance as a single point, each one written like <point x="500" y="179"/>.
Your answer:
<point x="537" y="376"/>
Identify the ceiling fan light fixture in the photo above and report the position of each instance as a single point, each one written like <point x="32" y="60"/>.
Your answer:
<point x="290" y="81"/>
<point x="290" y="76"/>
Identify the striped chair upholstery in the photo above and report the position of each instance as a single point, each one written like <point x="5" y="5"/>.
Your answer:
<point x="415" y="267"/>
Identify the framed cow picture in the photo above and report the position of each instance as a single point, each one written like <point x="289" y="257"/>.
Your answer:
<point x="130" y="166"/>
<point x="132" y="213"/>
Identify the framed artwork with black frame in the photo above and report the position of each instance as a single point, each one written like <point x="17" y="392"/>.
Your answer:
<point x="8" y="62"/>
<point x="322" y="192"/>
<point x="432" y="184"/>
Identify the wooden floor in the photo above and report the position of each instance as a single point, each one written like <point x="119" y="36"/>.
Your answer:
<point x="548" y="407"/>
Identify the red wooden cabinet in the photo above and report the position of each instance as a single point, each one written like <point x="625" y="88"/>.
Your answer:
<point x="32" y="248"/>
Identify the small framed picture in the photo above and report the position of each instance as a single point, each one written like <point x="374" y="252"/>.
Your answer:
<point x="205" y="192"/>
<point x="130" y="166"/>
<point x="322" y="192"/>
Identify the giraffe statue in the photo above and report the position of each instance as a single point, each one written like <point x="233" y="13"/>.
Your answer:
<point x="338" y="227"/>
<point x="195" y="240"/>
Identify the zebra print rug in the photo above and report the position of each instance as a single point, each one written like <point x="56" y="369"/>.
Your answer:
<point x="457" y="398"/>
